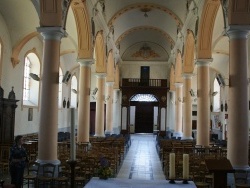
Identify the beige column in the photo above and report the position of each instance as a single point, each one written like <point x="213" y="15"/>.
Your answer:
<point x="47" y="145"/>
<point x="172" y="111"/>
<point x="116" y="112"/>
<point x="84" y="100"/>
<point x="99" y="116"/>
<point x="238" y="131"/>
<point x="187" y="111"/>
<point x="109" y="108"/>
<point x="178" y="109"/>
<point x="203" y="102"/>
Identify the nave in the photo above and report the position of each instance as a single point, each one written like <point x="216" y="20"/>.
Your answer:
<point x="142" y="160"/>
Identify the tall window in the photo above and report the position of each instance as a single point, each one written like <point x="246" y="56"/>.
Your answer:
<point x="73" y="99"/>
<point x="216" y="96"/>
<point x="26" y="85"/>
<point x="60" y="88"/>
<point x="31" y="84"/>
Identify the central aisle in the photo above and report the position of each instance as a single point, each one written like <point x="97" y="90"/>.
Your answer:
<point x="142" y="161"/>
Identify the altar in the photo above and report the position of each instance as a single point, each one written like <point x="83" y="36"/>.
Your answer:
<point x="95" y="182"/>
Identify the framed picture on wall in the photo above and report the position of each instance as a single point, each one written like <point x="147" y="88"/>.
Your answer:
<point x="216" y="121"/>
<point x="30" y="114"/>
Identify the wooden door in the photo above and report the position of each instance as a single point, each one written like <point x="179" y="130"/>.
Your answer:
<point x="144" y="117"/>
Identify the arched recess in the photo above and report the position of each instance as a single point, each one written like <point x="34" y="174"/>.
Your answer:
<point x="117" y="77"/>
<point x="145" y="5"/>
<point x="100" y="53"/>
<point x="16" y="50"/>
<point x="79" y="9"/>
<point x="172" y="79"/>
<point x="146" y="27"/>
<point x="110" y="67"/>
<point x="210" y="9"/>
<point x="178" y="68"/>
<point x="188" y="64"/>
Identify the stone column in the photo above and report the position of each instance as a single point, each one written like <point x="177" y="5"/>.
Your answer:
<point x="203" y="102"/>
<point x="187" y="112"/>
<point x="238" y="131"/>
<point x="125" y="111"/>
<point x="99" y="116"/>
<point x="116" y="112"/>
<point x="172" y="111"/>
<point x="163" y="119"/>
<point x="178" y="110"/>
<point x="48" y="123"/>
<point x="109" y="108"/>
<point x="84" y="100"/>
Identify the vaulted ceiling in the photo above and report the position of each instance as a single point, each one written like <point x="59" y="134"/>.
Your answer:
<point x="140" y="30"/>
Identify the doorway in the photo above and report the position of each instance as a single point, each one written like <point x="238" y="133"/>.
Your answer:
<point x="144" y="117"/>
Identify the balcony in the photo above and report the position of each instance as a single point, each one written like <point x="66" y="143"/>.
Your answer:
<point x="137" y="82"/>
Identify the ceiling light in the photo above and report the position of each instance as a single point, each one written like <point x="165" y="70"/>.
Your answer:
<point x="145" y="10"/>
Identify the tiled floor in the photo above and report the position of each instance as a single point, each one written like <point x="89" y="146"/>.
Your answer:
<point x="142" y="161"/>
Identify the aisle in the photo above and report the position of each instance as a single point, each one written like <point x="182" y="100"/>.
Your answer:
<point x="142" y="161"/>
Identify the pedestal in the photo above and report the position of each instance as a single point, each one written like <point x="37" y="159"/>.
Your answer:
<point x="220" y="168"/>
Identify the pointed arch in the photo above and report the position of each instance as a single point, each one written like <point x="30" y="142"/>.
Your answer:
<point x="205" y="34"/>
<point x="16" y="50"/>
<point x="188" y="64"/>
<point x="83" y="29"/>
<point x="100" y="53"/>
<point x="110" y="67"/>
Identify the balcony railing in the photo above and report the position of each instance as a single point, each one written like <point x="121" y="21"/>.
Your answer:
<point x="137" y="82"/>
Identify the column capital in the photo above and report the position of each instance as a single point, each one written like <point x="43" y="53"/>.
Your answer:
<point x="85" y="62"/>
<point x="178" y="84"/>
<point x="52" y="33"/>
<point x="100" y="75"/>
<point x="203" y="62"/>
<point x="238" y="31"/>
<point x="187" y="75"/>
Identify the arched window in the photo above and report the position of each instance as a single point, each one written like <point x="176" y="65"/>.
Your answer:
<point x="31" y="83"/>
<point x="73" y="99"/>
<point x="60" y="88"/>
<point x="216" y="96"/>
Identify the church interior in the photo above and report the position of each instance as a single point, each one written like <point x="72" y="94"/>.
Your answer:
<point x="158" y="88"/>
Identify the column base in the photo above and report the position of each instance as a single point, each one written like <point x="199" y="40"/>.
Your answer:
<point x="187" y="138"/>
<point x="99" y="135"/>
<point x="107" y="132"/>
<point x="116" y="130"/>
<point x="177" y="134"/>
<point x="246" y="168"/>
<point x="55" y="162"/>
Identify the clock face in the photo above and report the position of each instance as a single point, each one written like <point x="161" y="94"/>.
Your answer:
<point x="124" y="97"/>
<point x="163" y="98"/>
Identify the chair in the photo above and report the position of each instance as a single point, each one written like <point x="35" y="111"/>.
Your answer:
<point x="80" y="176"/>
<point x="62" y="175"/>
<point x="47" y="176"/>
<point x="240" y="177"/>
<point x="4" y="158"/>
<point x="32" y="172"/>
